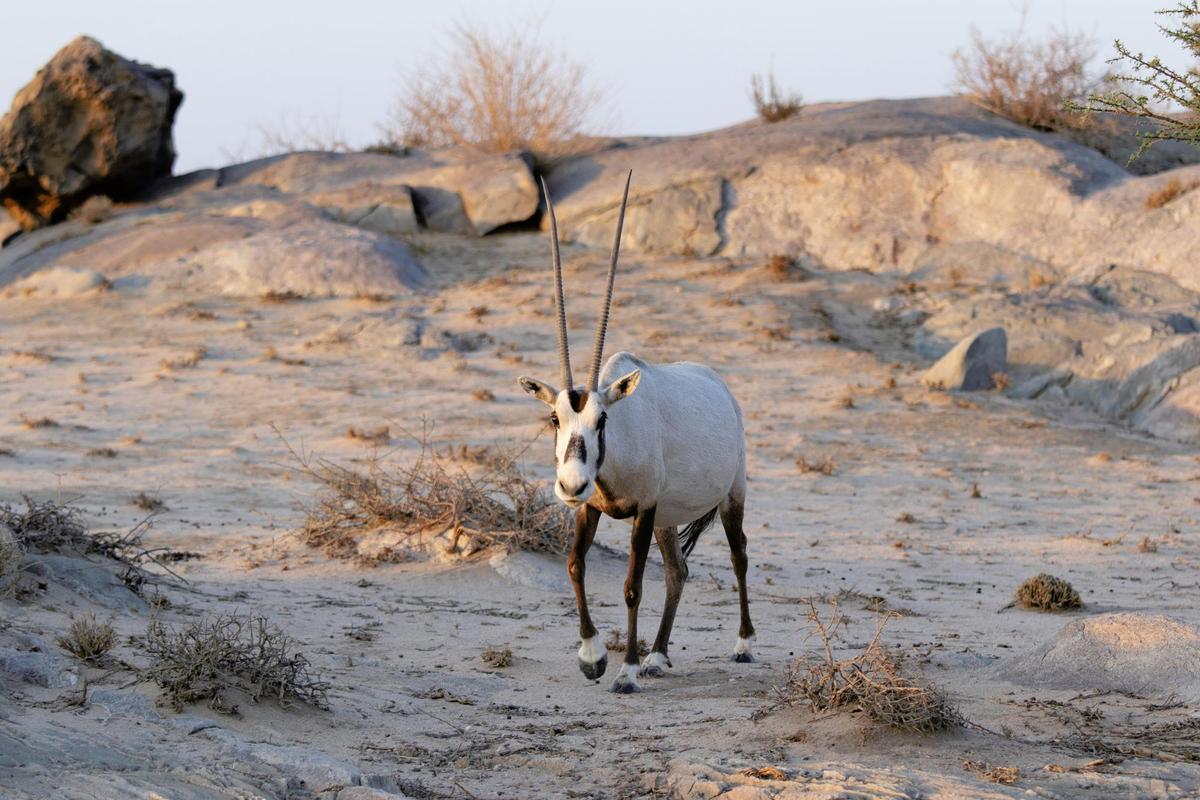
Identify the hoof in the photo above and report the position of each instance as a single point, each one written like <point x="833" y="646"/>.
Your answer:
<point x="621" y="686"/>
<point x="741" y="652"/>
<point x="593" y="670"/>
<point x="655" y="665"/>
<point x="626" y="682"/>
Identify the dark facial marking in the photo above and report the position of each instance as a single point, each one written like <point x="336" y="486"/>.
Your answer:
<point x="578" y="399"/>
<point x="600" y="437"/>
<point x="575" y="449"/>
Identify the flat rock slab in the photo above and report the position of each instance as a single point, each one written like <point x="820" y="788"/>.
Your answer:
<point x="1146" y="654"/>
<point x="970" y="364"/>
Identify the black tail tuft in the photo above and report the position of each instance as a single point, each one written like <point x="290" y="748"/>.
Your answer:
<point x="691" y="534"/>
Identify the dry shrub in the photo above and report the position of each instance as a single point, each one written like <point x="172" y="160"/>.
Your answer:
<point x="206" y="659"/>
<point x="495" y="92"/>
<point x="498" y="657"/>
<point x="825" y="466"/>
<point x="1172" y="190"/>
<point x="380" y="436"/>
<point x="148" y="502"/>
<point x="616" y="643"/>
<point x="94" y="210"/>
<point x="187" y="360"/>
<point x="1147" y="545"/>
<point x="872" y="682"/>
<point x="993" y="772"/>
<point x="274" y="297"/>
<point x="497" y="505"/>
<point x="88" y="639"/>
<point x="1025" y="80"/>
<point x="34" y="423"/>
<point x="1045" y="592"/>
<point x="102" y="452"/>
<point x="784" y="268"/>
<point x="11" y="556"/>
<point x="771" y="103"/>
<point x="49" y="527"/>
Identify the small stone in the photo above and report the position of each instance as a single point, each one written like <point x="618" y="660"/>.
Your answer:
<point x="970" y="364"/>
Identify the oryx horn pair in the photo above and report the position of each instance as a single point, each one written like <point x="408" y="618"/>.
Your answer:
<point x="564" y="355"/>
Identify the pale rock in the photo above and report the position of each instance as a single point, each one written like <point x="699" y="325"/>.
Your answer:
<point x="970" y="364"/>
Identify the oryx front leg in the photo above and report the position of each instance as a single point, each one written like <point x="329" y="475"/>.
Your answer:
<point x="593" y="657"/>
<point x="657" y="661"/>
<point x="643" y="531"/>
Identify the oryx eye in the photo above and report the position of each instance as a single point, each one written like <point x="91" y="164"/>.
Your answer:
<point x="554" y="419"/>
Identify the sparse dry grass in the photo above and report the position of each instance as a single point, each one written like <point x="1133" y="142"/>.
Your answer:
<point x="1025" y="80"/>
<point x="147" y="502"/>
<point x="94" y="210"/>
<point x="378" y="437"/>
<point x="498" y="657"/>
<point x="1147" y="545"/>
<point x="483" y="395"/>
<point x="12" y="554"/>
<point x="273" y="297"/>
<point x="188" y="360"/>
<point x="824" y="466"/>
<point x="772" y="103"/>
<point x="88" y="639"/>
<point x="616" y="643"/>
<point x="208" y="659"/>
<point x="497" y="505"/>
<point x="1045" y="592"/>
<point x="872" y="681"/>
<point x="993" y="772"/>
<point x="102" y="452"/>
<point x="495" y="92"/>
<point x="271" y="354"/>
<point x="1171" y="190"/>
<point x="34" y="423"/>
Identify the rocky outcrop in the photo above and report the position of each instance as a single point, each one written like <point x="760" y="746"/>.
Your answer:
<point x="890" y="185"/>
<point x="90" y="122"/>
<point x="972" y="364"/>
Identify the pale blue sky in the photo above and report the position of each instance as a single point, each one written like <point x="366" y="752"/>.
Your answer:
<point x="665" y="67"/>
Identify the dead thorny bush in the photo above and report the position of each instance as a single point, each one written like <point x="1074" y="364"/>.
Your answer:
<point x="1026" y="80"/>
<point x="493" y="505"/>
<point x="873" y="682"/>
<point x="771" y="103"/>
<point x="618" y="643"/>
<point x="496" y="92"/>
<point x="55" y="527"/>
<point x="88" y="639"/>
<point x="207" y="659"/>
<point x="1045" y="592"/>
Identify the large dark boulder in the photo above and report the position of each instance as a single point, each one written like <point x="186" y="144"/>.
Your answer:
<point x="90" y="122"/>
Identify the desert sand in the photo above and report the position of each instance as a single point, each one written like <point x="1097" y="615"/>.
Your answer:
<point x="937" y="506"/>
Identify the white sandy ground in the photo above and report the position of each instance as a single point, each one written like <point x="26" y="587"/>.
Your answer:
<point x="414" y="710"/>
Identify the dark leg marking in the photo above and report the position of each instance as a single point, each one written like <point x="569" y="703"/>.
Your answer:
<point x="731" y="518"/>
<point x="586" y="520"/>
<point x="677" y="572"/>
<point x="643" y="532"/>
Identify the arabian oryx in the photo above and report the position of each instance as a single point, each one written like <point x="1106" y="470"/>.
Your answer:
<point x="659" y="443"/>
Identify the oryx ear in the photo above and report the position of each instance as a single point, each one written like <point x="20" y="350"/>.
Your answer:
<point x="542" y="391"/>
<point x="622" y="387"/>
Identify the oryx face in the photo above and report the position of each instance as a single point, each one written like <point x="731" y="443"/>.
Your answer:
<point x="578" y="418"/>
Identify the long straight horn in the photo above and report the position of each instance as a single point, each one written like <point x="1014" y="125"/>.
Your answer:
<point x="564" y="356"/>
<point x="602" y="325"/>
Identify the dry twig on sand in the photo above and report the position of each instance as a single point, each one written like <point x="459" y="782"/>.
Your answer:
<point x="494" y="505"/>
<point x="205" y="660"/>
<point x="872" y="681"/>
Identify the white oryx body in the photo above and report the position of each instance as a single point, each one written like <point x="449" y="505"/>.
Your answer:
<point x="676" y="444"/>
<point x="661" y="444"/>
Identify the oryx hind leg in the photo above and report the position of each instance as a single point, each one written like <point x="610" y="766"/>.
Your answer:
<point x="657" y="661"/>
<point x="731" y="518"/>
